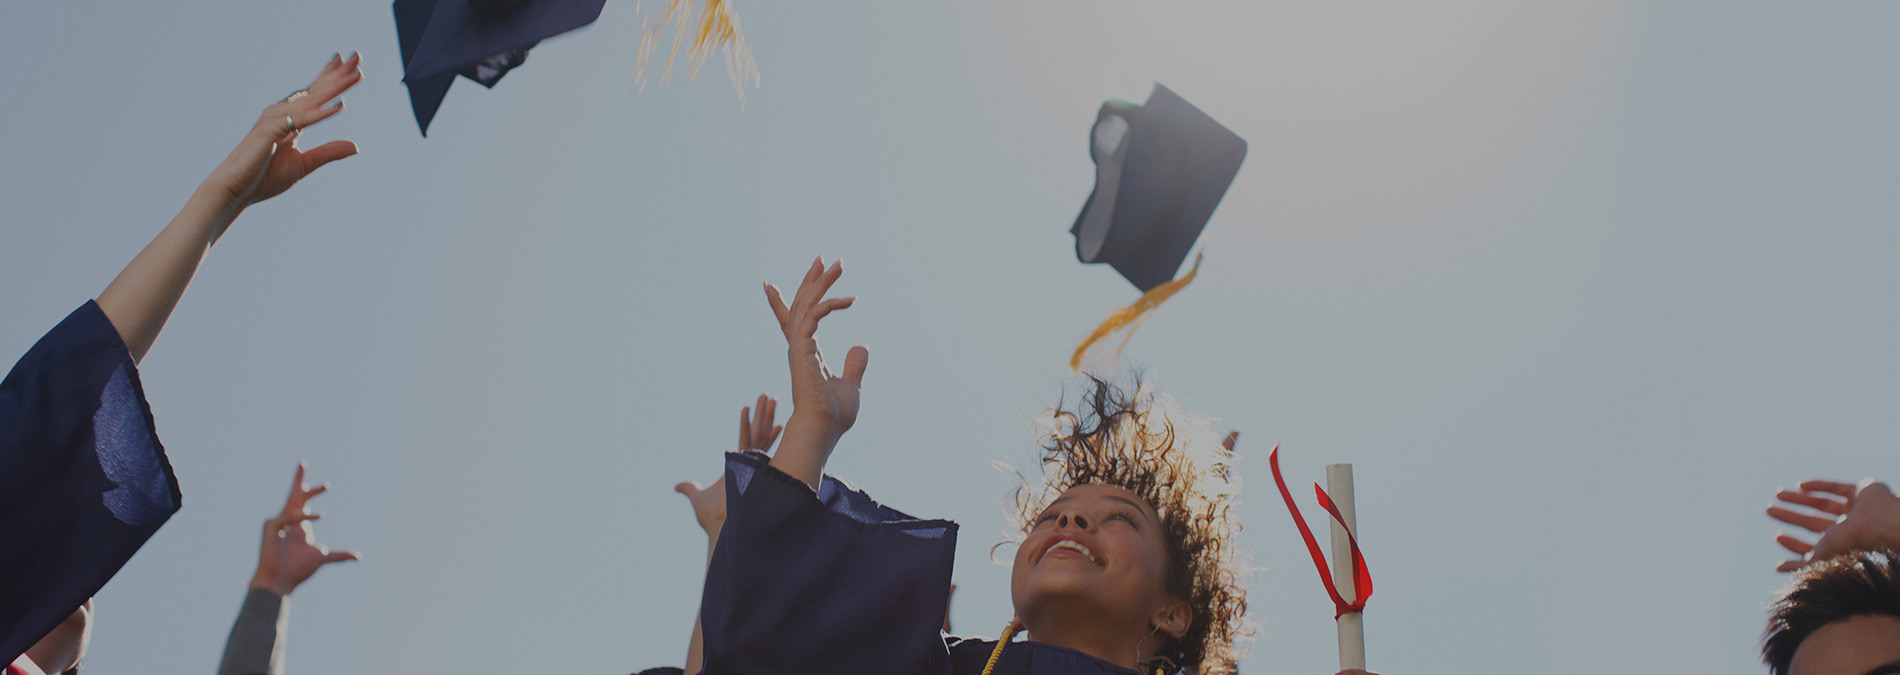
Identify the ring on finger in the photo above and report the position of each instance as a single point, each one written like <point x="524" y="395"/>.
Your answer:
<point x="290" y="125"/>
<point x="300" y="93"/>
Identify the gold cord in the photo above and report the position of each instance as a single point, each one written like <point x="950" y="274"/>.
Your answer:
<point x="1008" y="632"/>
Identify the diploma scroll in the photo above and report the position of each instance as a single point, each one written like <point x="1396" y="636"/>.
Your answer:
<point x="1352" y="633"/>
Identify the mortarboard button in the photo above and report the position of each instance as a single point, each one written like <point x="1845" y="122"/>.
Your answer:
<point x="478" y="39"/>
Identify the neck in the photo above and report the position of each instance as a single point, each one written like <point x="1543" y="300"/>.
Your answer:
<point x="1089" y="631"/>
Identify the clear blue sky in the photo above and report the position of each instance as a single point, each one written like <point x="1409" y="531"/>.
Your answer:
<point x="1574" y="287"/>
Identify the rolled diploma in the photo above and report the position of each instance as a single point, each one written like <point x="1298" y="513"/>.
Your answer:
<point x="1352" y="629"/>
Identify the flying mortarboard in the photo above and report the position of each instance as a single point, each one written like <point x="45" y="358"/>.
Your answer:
<point x="478" y="39"/>
<point x="1160" y="170"/>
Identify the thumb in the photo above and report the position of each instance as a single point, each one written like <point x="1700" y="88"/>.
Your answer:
<point x="854" y="363"/>
<point x="687" y="488"/>
<point x="340" y="556"/>
<point x="324" y="154"/>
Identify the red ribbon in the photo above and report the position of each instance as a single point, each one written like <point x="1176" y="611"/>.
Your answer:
<point x="1361" y="577"/>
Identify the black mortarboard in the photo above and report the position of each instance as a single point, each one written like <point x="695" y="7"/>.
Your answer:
<point x="1160" y="169"/>
<point x="477" y="39"/>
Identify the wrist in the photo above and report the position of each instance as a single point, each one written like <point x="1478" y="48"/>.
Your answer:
<point x="273" y="585"/>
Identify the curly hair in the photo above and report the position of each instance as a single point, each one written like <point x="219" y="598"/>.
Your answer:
<point x="1139" y="441"/>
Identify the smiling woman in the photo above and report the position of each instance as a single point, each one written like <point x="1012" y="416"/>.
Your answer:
<point x="1142" y="494"/>
<point x="1126" y="565"/>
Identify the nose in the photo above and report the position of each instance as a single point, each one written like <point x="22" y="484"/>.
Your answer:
<point x="1073" y="518"/>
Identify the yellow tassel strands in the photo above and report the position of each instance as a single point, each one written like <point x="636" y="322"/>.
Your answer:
<point x="1132" y="316"/>
<point x="718" y="29"/>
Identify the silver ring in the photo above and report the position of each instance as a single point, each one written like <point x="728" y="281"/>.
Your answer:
<point x="289" y="125"/>
<point x="300" y="93"/>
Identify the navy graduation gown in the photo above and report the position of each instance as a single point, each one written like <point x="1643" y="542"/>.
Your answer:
<point x="83" y="479"/>
<point x="834" y="582"/>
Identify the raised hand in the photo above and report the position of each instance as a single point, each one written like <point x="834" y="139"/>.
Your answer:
<point x="756" y="432"/>
<point x="268" y="161"/>
<point x="824" y="402"/>
<point x="290" y="552"/>
<point x="1849" y="517"/>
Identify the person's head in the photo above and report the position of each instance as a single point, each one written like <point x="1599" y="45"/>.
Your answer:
<point x="1129" y="534"/>
<point x="62" y="648"/>
<point x="1839" y="616"/>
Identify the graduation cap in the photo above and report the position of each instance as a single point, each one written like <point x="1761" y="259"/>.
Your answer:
<point x="478" y="39"/>
<point x="1160" y="169"/>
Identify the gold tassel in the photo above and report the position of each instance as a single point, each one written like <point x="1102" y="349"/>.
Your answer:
<point x="718" y="28"/>
<point x="1134" y="314"/>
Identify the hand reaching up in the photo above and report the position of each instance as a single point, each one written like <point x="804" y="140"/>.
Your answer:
<point x="290" y="552"/>
<point x="268" y="161"/>
<point x="1848" y="517"/>
<point x="756" y="432"/>
<point x="824" y="402"/>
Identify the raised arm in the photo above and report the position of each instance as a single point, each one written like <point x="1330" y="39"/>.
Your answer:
<point x="288" y="556"/>
<point x="756" y="432"/>
<point x="264" y="164"/>
<point x="824" y="404"/>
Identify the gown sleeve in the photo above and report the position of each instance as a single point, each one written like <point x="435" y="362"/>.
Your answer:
<point x="825" y="582"/>
<point x="83" y="479"/>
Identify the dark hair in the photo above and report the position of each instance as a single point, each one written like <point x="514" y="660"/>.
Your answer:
<point x="1125" y="439"/>
<point x="1860" y="583"/>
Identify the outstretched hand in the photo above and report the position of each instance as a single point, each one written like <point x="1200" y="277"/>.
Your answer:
<point x="290" y="552"/>
<point x="756" y="432"/>
<point x="1848" y="517"/>
<point x="824" y="402"/>
<point x="267" y="162"/>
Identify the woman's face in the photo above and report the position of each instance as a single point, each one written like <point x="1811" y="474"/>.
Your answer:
<point x="1096" y="549"/>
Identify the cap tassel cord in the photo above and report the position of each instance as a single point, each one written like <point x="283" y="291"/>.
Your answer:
<point x="1134" y="314"/>
<point x="1361" y="576"/>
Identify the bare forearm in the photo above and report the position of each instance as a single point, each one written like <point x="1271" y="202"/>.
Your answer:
<point x="804" y="449"/>
<point x="143" y="296"/>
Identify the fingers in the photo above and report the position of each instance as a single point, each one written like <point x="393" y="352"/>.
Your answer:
<point x="1834" y="506"/>
<point x="809" y="325"/>
<point x="759" y="425"/>
<point x="325" y="154"/>
<point x="1801" y="520"/>
<point x="320" y="489"/>
<point x="1796" y="545"/>
<point x="1790" y="565"/>
<point x="745" y="429"/>
<point x="1228" y="442"/>
<point x="779" y="309"/>
<point x="688" y="488"/>
<point x="771" y="411"/>
<point x="772" y="437"/>
<point x="854" y="363"/>
<point x="340" y="556"/>
<point x="336" y="77"/>
<point x="303" y="119"/>
<point x="1833" y="487"/>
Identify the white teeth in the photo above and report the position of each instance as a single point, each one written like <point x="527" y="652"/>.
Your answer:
<point x="1073" y="547"/>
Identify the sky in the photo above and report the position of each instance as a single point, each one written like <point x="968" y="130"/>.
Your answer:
<point x="1575" y="287"/>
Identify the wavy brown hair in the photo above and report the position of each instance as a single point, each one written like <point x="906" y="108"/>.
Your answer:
<point x="1132" y="439"/>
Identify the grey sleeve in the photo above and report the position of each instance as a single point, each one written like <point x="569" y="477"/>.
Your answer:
<point x="257" y="639"/>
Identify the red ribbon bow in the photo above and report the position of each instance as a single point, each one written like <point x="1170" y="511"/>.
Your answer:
<point x="1361" y="577"/>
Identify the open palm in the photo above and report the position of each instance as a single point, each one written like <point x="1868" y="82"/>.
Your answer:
<point x="290" y="553"/>
<point x="825" y="395"/>
<point x="267" y="162"/>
